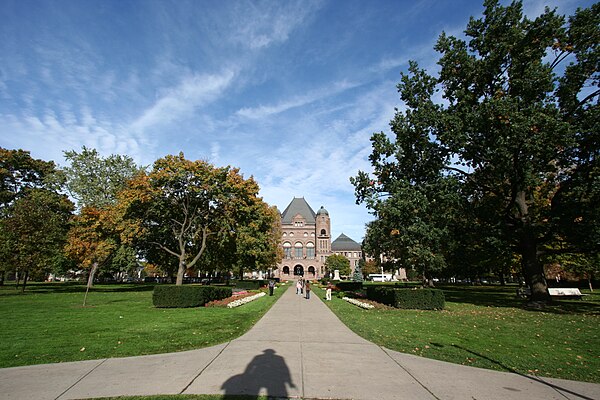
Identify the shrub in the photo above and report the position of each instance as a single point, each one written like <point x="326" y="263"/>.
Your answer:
<point x="249" y="285"/>
<point x="420" y="299"/>
<point x="173" y="296"/>
<point x="349" y="286"/>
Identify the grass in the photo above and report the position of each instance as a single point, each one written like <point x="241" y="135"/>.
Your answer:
<point x="488" y="327"/>
<point x="187" y="397"/>
<point x="48" y="324"/>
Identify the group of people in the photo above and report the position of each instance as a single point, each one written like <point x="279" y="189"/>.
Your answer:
<point x="303" y="288"/>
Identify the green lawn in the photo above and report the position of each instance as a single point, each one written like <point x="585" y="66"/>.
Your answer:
<point x="187" y="397"/>
<point x="488" y="327"/>
<point x="47" y="324"/>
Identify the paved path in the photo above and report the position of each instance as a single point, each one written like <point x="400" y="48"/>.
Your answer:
<point x="299" y="349"/>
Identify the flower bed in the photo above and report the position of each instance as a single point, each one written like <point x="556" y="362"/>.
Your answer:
<point x="236" y="296"/>
<point x="359" y="303"/>
<point x="239" y="302"/>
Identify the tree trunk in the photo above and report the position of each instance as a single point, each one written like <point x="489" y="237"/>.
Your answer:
<point x="532" y="269"/>
<point x="2" y="278"/>
<point x="90" y="281"/>
<point x="180" y="272"/>
<point x="590" y="283"/>
<point x="25" y="281"/>
<point x="534" y="272"/>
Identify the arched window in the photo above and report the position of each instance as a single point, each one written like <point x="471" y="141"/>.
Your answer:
<point x="286" y="270"/>
<point x="310" y="250"/>
<point x="311" y="270"/>
<point x="323" y="232"/>
<point x="287" y="250"/>
<point x="298" y="250"/>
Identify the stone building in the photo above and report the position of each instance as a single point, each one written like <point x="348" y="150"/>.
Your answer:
<point x="348" y="248"/>
<point x="306" y="242"/>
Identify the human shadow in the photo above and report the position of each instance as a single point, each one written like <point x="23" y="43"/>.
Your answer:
<point x="266" y="371"/>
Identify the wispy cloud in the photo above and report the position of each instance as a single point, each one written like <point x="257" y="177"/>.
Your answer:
<point x="49" y="133"/>
<point x="296" y="101"/>
<point x="260" y="25"/>
<point x="179" y="101"/>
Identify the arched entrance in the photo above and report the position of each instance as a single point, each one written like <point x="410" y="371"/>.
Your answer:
<point x="311" y="271"/>
<point x="298" y="270"/>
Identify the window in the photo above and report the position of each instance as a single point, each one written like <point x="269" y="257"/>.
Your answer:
<point x="310" y="250"/>
<point x="298" y="250"/>
<point x="323" y="232"/>
<point x="287" y="250"/>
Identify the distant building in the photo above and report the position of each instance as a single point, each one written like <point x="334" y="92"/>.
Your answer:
<point x="348" y="248"/>
<point x="306" y="242"/>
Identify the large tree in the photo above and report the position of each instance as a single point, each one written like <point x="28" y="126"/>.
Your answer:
<point x="512" y="131"/>
<point x="338" y="262"/>
<point x="93" y="180"/>
<point x="95" y="239"/>
<point x="18" y="171"/>
<point x="181" y="204"/>
<point x="35" y="231"/>
<point x="19" y="175"/>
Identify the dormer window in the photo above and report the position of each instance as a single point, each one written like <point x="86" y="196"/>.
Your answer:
<point x="299" y="220"/>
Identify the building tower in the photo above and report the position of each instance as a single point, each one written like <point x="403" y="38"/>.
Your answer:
<point x="323" y="228"/>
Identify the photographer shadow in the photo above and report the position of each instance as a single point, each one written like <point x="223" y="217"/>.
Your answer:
<point x="267" y="375"/>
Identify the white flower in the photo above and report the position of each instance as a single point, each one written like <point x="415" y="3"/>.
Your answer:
<point x="358" y="303"/>
<point x="245" y="300"/>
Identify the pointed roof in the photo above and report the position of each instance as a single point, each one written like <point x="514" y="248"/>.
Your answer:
<point x="344" y="243"/>
<point x="298" y="206"/>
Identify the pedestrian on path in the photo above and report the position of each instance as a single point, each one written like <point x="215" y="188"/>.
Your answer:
<point x="307" y="288"/>
<point x="328" y="292"/>
<point x="271" y="287"/>
<point x="298" y="287"/>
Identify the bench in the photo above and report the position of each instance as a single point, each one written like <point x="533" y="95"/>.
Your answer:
<point x="523" y="292"/>
<point x="566" y="292"/>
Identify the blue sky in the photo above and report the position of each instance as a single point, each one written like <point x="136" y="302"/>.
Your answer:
<point x="288" y="91"/>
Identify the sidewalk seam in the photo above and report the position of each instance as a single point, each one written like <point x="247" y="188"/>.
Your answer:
<point x="80" y="379"/>
<point x="408" y="372"/>
<point x="301" y="349"/>
<point x="205" y="367"/>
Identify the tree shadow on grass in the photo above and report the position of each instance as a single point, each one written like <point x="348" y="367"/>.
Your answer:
<point x="74" y="287"/>
<point x="266" y="372"/>
<point x="498" y="296"/>
<point x="531" y="377"/>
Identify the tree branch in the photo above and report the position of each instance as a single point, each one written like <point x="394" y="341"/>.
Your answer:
<point x="165" y="249"/>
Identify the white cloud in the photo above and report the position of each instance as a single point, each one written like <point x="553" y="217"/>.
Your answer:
<point x="295" y="101"/>
<point x="180" y="101"/>
<point x="261" y="25"/>
<point x="47" y="135"/>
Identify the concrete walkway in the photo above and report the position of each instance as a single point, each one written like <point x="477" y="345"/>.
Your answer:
<point x="299" y="349"/>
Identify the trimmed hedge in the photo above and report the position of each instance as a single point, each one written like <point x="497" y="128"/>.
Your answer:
<point x="420" y="299"/>
<point x="249" y="285"/>
<point x="349" y="286"/>
<point x="173" y="296"/>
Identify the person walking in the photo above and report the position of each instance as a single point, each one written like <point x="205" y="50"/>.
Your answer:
<point x="298" y="287"/>
<point x="271" y="287"/>
<point x="307" y="289"/>
<point x="328" y="292"/>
